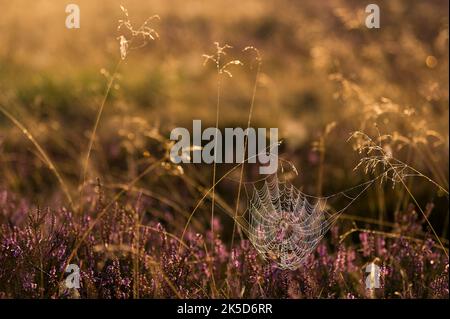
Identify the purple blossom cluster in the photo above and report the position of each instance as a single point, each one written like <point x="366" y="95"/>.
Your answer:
<point x="126" y="257"/>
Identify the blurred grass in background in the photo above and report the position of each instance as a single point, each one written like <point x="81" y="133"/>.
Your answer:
<point x="321" y="65"/>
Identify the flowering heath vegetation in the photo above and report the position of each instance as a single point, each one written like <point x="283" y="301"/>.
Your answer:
<point x="93" y="204"/>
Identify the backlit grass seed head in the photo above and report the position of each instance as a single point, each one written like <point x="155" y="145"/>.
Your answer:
<point x="380" y="157"/>
<point x="253" y="49"/>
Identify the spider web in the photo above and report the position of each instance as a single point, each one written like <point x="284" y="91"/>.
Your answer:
<point x="284" y="226"/>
